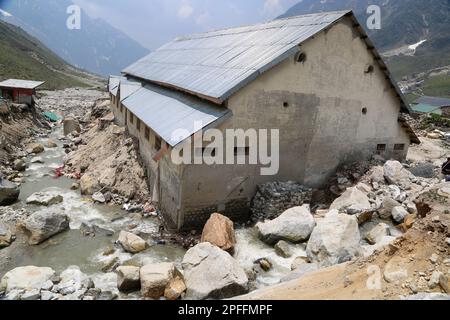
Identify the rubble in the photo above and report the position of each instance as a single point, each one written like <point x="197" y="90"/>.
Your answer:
<point x="274" y="198"/>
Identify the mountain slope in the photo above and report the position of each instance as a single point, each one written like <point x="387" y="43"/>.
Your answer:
<point x="404" y="22"/>
<point x="24" y="57"/>
<point x="96" y="47"/>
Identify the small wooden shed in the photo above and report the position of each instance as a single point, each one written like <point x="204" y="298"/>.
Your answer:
<point x="19" y="91"/>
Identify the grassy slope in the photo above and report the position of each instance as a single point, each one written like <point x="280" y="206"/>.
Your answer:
<point x="24" y="57"/>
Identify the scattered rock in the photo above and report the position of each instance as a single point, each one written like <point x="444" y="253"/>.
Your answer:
<point x="211" y="273"/>
<point x="75" y="186"/>
<point x="352" y="201"/>
<point x="265" y="264"/>
<point x="131" y="242"/>
<point x="283" y="249"/>
<point x="434" y="258"/>
<point x="335" y="240"/>
<point x="45" y="198"/>
<point x="71" y="125"/>
<point x="6" y="237"/>
<point x="377" y="234"/>
<point x="128" y="278"/>
<point x="396" y="174"/>
<point x="31" y="295"/>
<point x="44" y="224"/>
<point x="428" y="297"/>
<point x="175" y="289"/>
<point x="386" y="209"/>
<point x="88" y="185"/>
<point x="37" y="160"/>
<point x="36" y="148"/>
<point x="9" y="192"/>
<point x="399" y="214"/>
<point x="19" y="165"/>
<point x="219" y="231"/>
<point x="25" y="278"/>
<point x="51" y="144"/>
<point x="99" y="197"/>
<point x="294" y="225"/>
<point x="155" y="278"/>
<point x="435" y="279"/>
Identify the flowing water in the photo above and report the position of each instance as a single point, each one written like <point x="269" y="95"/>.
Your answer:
<point x="72" y="248"/>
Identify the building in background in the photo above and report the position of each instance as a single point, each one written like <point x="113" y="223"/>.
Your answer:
<point x="434" y="105"/>
<point x="19" y="91"/>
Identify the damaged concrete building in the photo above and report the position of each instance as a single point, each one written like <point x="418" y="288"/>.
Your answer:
<point x="317" y="78"/>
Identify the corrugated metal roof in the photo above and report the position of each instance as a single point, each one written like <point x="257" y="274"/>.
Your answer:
<point x="166" y="111"/>
<point x="113" y="84"/>
<point x="433" y="101"/>
<point x="22" y="84"/>
<point x="217" y="64"/>
<point x="127" y="88"/>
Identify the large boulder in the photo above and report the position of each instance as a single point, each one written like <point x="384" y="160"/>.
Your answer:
<point x="6" y="237"/>
<point x="26" y="278"/>
<point x="378" y="233"/>
<point x="45" y="198"/>
<point x="335" y="240"/>
<point x="387" y="206"/>
<point x="219" y="231"/>
<point x="71" y="125"/>
<point x="155" y="278"/>
<point x="9" y="192"/>
<point x="211" y="273"/>
<point x="395" y="173"/>
<point x="131" y="243"/>
<point x="128" y="278"/>
<point x="294" y="225"/>
<point x="352" y="201"/>
<point x="19" y="165"/>
<point x="175" y="289"/>
<point x="44" y="224"/>
<point x="399" y="214"/>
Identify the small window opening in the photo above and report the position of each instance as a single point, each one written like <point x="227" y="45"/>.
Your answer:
<point x="381" y="147"/>
<point x="131" y="118"/>
<point x="121" y="108"/>
<point x="364" y="111"/>
<point x="138" y="124"/>
<point x="286" y="104"/>
<point x="369" y="69"/>
<point x="301" y="57"/>
<point x="399" y="147"/>
<point x="158" y="143"/>
<point x="147" y="133"/>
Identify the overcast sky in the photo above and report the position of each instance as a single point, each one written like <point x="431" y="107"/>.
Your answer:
<point x="154" y="22"/>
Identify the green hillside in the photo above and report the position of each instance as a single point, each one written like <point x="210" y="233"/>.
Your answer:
<point x="24" y="57"/>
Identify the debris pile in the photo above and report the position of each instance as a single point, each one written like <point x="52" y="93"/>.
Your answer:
<point x="273" y="198"/>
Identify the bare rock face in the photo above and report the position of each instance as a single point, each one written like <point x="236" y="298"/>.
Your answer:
<point x="211" y="273"/>
<point x="335" y="240"/>
<point x="131" y="242"/>
<point x="128" y="278"/>
<point x="9" y="192"/>
<point x="44" y="224"/>
<point x="71" y="125"/>
<point x="219" y="231"/>
<point x="294" y="225"/>
<point x="26" y="278"/>
<point x="155" y="279"/>
<point x="352" y="201"/>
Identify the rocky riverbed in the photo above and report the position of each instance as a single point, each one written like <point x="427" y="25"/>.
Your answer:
<point x="60" y="241"/>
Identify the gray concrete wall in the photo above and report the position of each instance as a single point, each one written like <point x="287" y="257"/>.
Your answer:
<point x="322" y="127"/>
